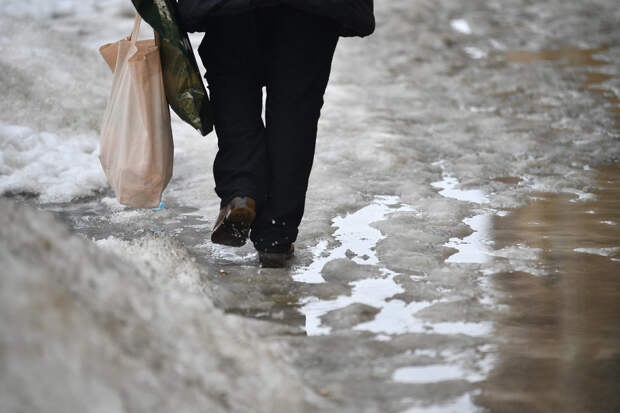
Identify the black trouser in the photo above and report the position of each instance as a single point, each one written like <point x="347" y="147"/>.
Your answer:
<point x="290" y="52"/>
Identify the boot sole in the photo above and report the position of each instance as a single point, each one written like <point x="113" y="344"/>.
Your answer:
<point x="234" y="229"/>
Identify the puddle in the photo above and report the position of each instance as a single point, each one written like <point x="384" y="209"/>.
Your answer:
<point x="371" y="291"/>
<point x="435" y="373"/>
<point x="429" y="374"/>
<point x="473" y="249"/>
<point x="603" y="252"/>
<point x="557" y="262"/>
<point x="560" y="342"/>
<point x="357" y="241"/>
<point x="449" y="187"/>
<point x="356" y="236"/>
<point x="395" y="316"/>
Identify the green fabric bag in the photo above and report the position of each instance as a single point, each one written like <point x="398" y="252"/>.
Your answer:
<point x="185" y="91"/>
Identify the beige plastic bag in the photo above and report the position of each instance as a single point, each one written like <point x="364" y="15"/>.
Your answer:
<point x="136" y="138"/>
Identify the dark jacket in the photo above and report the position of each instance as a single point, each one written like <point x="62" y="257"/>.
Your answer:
<point x="356" y="17"/>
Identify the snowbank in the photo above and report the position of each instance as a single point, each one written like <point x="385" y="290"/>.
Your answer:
<point x="86" y="330"/>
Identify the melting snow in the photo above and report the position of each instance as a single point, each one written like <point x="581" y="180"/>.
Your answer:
<point x="56" y="168"/>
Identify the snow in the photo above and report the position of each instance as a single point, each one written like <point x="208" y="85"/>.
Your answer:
<point x="157" y="255"/>
<point x="380" y="211"/>
<point x="58" y="169"/>
<point x="461" y="25"/>
<point x="473" y="249"/>
<point x="46" y="9"/>
<point x="449" y="186"/>
<point x="355" y="235"/>
<point x="603" y="252"/>
<point x="433" y="374"/>
<point x="397" y="317"/>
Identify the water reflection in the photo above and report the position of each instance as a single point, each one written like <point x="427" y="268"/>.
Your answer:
<point x="561" y="341"/>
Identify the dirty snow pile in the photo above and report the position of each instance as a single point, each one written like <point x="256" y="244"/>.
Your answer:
<point x="117" y="325"/>
<point x="84" y="330"/>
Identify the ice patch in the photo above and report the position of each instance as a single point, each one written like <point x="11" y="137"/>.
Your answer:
<point x="435" y="373"/>
<point x="354" y="234"/>
<point x="312" y="273"/>
<point x="394" y="317"/>
<point x="603" y="252"/>
<point x="473" y="249"/>
<point x="397" y="317"/>
<point x="582" y="196"/>
<point x="371" y="291"/>
<point x="519" y="252"/>
<point x="451" y="368"/>
<point x="382" y="337"/>
<point x="425" y="353"/>
<point x="58" y="169"/>
<point x="460" y="25"/>
<point x="449" y="188"/>
<point x="475" y="53"/>
<point x="462" y="404"/>
<point x="520" y="258"/>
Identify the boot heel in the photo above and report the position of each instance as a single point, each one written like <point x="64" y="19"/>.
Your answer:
<point x="233" y="225"/>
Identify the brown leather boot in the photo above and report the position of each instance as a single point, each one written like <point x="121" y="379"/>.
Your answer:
<point x="275" y="259"/>
<point x="233" y="224"/>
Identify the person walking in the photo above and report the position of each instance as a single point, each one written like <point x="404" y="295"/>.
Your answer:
<point x="261" y="169"/>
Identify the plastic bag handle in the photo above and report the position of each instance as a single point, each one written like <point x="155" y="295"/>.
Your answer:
<point x="136" y="29"/>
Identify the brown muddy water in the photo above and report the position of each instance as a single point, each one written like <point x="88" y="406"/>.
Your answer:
<point x="560" y="338"/>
